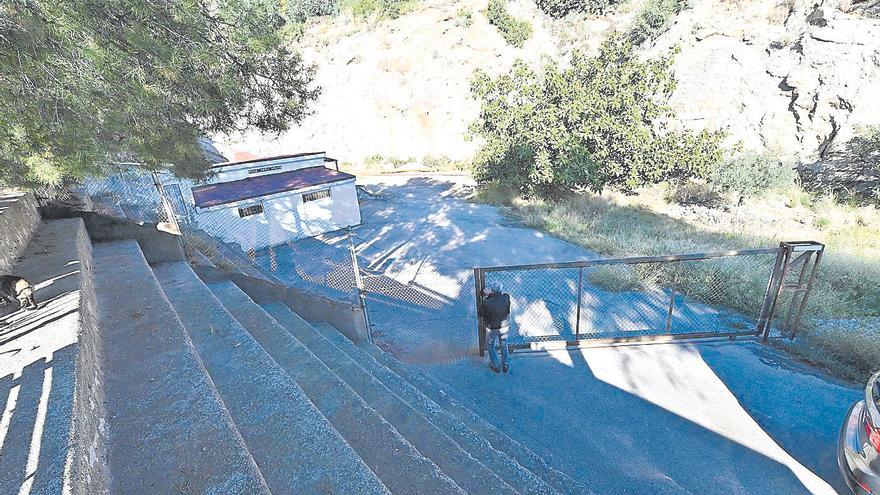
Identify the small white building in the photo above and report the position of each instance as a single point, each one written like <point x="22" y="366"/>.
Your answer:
<point x="265" y="202"/>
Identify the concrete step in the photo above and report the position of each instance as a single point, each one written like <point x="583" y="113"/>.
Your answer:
<point x="432" y="442"/>
<point x="295" y="447"/>
<point x="424" y="386"/>
<point x="519" y="477"/>
<point x="397" y="463"/>
<point x="169" y="430"/>
<point x="44" y="383"/>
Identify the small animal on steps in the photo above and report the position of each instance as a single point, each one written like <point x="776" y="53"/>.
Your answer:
<point x="17" y="289"/>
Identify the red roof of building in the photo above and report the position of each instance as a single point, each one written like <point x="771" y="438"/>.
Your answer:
<point x="263" y="185"/>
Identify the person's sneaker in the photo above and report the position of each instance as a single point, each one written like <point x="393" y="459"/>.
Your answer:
<point x="506" y="368"/>
<point x="494" y="368"/>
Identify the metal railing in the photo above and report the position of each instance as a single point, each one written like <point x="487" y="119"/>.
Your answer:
<point x="649" y="298"/>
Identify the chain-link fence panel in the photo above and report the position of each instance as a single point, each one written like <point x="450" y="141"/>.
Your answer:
<point x="128" y="194"/>
<point x="620" y="299"/>
<point x="422" y="311"/>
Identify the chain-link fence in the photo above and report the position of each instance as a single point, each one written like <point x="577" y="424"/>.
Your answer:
<point x="134" y="194"/>
<point x="129" y="194"/>
<point x="695" y="295"/>
<point x="425" y="310"/>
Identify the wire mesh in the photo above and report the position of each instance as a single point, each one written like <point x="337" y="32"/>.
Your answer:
<point x="128" y="194"/>
<point x="421" y="310"/>
<point x="425" y="310"/>
<point x="721" y="295"/>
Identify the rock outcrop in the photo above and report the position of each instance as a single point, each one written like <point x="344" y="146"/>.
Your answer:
<point x="793" y="77"/>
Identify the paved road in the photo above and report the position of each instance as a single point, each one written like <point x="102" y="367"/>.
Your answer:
<point x="419" y="241"/>
<point x="738" y="418"/>
<point x="709" y="418"/>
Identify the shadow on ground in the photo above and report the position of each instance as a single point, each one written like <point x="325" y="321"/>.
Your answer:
<point x="706" y="418"/>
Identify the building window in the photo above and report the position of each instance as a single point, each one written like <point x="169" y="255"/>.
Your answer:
<point x="314" y="196"/>
<point x="247" y="211"/>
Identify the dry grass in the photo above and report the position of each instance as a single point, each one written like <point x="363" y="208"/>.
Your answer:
<point x="208" y="247"/>
<point x="382" y="165"/>
<point x="847" y="289"/>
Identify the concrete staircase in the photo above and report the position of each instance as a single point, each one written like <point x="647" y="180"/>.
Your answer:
<point x="135" y="377"/>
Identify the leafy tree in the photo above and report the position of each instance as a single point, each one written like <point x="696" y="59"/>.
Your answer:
<point x="87" y="82"/>
<point x="599" y="122"/>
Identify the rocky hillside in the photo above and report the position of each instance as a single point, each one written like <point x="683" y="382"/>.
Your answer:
<point x="793" y="77"/>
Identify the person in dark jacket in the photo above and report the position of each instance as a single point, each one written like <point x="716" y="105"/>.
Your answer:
<point x="495" y="311"/>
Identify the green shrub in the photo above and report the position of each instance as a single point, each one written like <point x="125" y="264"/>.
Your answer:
<point x="752" y="174"/>
<point x="561" y="8"/>
<point x="384" y="8"/>
<point x="654" y="19"/>
<point x="694" y="193"/>
<point x="866" y="144"/>
<point x="513" y="30"/>
<point x="300" y="10"/>
<point x="595" y="123"/>
<point x="465" y="17"/>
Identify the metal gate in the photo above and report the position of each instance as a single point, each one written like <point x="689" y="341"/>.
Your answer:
<point x="721" y="294"/>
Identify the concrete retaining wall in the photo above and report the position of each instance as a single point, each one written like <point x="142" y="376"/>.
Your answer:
<point x="88" y="466"/>
<point x="19" y="218"/>
<point x="158" y="243"/>
<point x="312" y="307"/>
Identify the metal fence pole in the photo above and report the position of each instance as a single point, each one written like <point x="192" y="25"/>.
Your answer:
<point x="166" y="205"/>
<point x="359" y="283"/>
<point x="479" y="285"/>
<point x="671" y="309"/>
<point x="577" y="323"/>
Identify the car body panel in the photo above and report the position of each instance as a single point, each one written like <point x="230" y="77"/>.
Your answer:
<point x="859" y="461"/>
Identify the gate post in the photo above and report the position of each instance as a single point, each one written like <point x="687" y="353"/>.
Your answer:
<point x="774" y="287"/>
<point x="809" y="251"/>
<point x="479" y="285"/>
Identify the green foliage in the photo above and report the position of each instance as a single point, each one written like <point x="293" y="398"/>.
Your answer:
<point x="465" y="17"/>
<point x="752" y="174"/>
<point x="597" y="123"/>
<point x="383" y="8"/>
<point x="85" y="83"/>
<point x="513" y="30"/>
<point x="561" y="8"/>
<point x="867" y="143"/>
<point x="300" y="10"/>
<point x="654" y="19"/>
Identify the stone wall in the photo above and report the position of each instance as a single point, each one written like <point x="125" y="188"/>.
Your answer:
<point x="19" y="218"/>
<point x="346" y="317"/>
